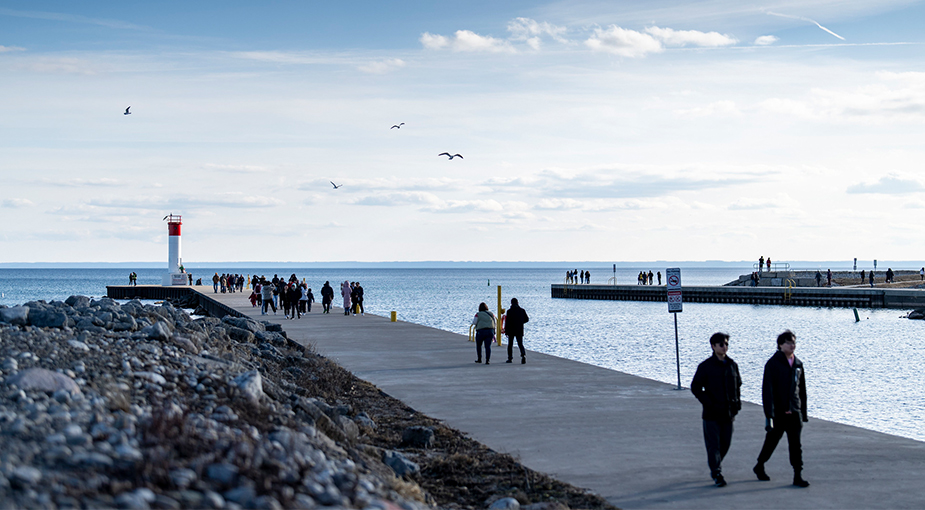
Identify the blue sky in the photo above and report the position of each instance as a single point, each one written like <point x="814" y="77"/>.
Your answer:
<point x="592" y="130"/>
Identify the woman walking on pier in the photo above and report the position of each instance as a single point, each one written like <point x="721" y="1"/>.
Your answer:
<point x="345" y="293"/>
<point x="484" y="322"/>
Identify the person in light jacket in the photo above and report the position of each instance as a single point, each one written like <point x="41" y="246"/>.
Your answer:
<point x="484" y="322"/>
<point x="345" y="293"/>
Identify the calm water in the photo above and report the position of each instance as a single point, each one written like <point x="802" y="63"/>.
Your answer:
<point x="861" y="373"/>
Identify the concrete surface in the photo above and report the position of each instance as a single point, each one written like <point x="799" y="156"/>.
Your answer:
<point x="634" y="441"/>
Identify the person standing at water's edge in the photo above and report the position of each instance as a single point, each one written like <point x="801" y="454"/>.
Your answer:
<point x="484" y="322"/>
<point x="783" y="393"/>
<point x="717" y="386"/>
<point x="514" y="329"/>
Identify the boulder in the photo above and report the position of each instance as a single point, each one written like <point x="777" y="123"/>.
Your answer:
<point x="399" y="463"/>
<point x="505" y="504"/>
<point x="239" y="334"/>
<point x="43" y="380"/>
<point x="78" y="301"/>
<point x="160" y="330"/>
<point x="244" y="323"/>
<point x="249" y="385"/>
<point x="418" y="437"/>
<point x="16" y="315"/>
<point x="47" y="318"/>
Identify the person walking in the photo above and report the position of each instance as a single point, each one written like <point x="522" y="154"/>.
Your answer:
<point x="293" y="294"/>
<point x="215" y="284"/>
<point x="327" y="296"/>
<point x="921" y="273"/>
<point x="484" y="322"/>
<point x="717" y="386"/>
<point x="345" y="293"/>
<point x="303" y="297"/>
<point x="870" y="277"/>
<point x="818" y="279"/>
<point x="266" y="294"/>
<point x="514" y="322"/>
<point x="783" y="394"/>
<point x="359" y="291"/>
<point x="828" y="277"/>
<point x="310" y="299"/>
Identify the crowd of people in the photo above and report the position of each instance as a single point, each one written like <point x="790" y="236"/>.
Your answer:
<point x="574" y="276"/>
<point x="290" y="296"/>
<point x="644" y="278"/>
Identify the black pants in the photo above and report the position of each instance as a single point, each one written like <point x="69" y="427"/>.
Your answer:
<point x="717" y="435"/>
<point x="510" y="346"/>
<point x="792" y="424"/>
<point x="268" y="303"/>
<point x="484" y="336"/>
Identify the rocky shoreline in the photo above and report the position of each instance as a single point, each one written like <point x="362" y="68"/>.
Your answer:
<point x="109" y="405"/>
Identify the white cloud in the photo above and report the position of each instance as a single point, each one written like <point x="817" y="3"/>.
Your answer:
<point x="4" y="49"/>
<point x="382" y="66"/>
<point x="466" y="41"/>
<point x="16" y="203"/>
<point x="240" y="169"/>
<point x="891" y="184"/>
<point x="57" y="65"/>
<point x="623" y="42"/>
<point x="461" y="206"/>
<point x="401" y="198"/>
<point x="766" y="40"/>
<point x="671" y="37"/>
<point x="531" y="31"/>
<point x="80" y="182"/>
<point x="716" y="108"/>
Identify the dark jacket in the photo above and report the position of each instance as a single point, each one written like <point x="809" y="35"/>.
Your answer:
<point x="784" y="387"/>
<point x="717" y="386"/>
<point x="327" y="293"/>
<point x="515" y="320"/>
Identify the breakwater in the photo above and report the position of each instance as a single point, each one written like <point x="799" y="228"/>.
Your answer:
<point x="795" y="296"/>
<point x="194" y="296"/>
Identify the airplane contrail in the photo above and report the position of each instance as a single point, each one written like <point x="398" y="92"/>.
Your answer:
<point x="805" y="19"/>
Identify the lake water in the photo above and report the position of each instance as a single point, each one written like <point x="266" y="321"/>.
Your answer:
<point x="863" y="373"/>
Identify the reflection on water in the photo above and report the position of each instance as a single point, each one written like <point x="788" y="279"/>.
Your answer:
<point x="860" y="373"/>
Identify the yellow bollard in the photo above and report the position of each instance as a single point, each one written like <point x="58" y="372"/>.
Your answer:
<point x="394" y="316"/>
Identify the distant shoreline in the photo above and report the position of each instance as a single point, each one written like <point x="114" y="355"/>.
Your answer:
<point x="563" y="265"/>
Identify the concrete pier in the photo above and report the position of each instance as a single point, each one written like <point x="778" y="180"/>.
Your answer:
<point x="850" y="297"/>
<point x="635" y="441"/>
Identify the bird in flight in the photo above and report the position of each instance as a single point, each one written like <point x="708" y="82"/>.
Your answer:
<point x="336" y="185"/>
<point x="397" y="126"/>
<point x="451" y="156"/>
<point x="127" y="112"/>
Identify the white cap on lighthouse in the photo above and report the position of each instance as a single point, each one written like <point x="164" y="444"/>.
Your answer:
<point x="175" y="274"/>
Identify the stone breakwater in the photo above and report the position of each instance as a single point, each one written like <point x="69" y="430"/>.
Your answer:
<point x="139" y="406"/>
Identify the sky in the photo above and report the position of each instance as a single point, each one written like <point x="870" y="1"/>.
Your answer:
<point x="589" y="130"/>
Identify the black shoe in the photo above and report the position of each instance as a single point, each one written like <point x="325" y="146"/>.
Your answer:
<point x="523" y="360"/>
<point x="509" y="360"/>
<point x="486" y="362"/>
<point x="799" y="481"/>
<point x="719" y="481"/>
<point x="478" y="360"/>
<point x="759" y="472"/>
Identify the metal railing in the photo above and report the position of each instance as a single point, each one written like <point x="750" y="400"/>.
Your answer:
<point x="788" y="293"/>
<point x="775" y="267"/>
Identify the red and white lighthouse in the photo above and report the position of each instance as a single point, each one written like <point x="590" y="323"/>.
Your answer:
<point x="175" y="274"/>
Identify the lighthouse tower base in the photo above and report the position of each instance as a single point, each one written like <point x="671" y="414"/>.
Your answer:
<point x="175" y="279"/>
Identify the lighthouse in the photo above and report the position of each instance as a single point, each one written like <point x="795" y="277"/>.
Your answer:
<point x="174" y="275"/>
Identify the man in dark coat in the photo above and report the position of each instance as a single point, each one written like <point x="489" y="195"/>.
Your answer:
<point x="783" y="394"/>
<point x="514" y="329"/>
<point x="327" y="295"/>
<point x="717" y="386"/>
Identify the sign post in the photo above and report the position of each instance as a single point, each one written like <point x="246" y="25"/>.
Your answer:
<point x="615" y="274"/>
<point x="675" y="305"/>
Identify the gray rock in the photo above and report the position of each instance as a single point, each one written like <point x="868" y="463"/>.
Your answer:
<point x="151" y="377"/>
<point x="266" y="503"/>
<point x="160" y="330"/>
<point x="418" y="437"/>
<point x="239" y="334"/>
<point x="222" y="473"/>
<point x="349" y="427"/>
<point x="249" y="385"/>
<point x="10" y="365"/>
<point x="303" y="502"/>
<point x="505" y="504"/>
<point x="25" y="476"/>
<point x="48" y="318"/>
<point x="365" y="422"/>
<point x="93" y="460"/>
<point x="182" y="477"/>
<point x="43" y="380"/>
<point x="244" y="323"/>
<point x="16" y="315"/>
<point x="78" y="301"/>
<point x="399" y="463"/>
<point x="211" y="499"/>
<point x="243" y="495"/>
<point x="77" y="345"/>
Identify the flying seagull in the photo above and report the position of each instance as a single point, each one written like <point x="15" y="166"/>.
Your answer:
<point x="336" y="185"/>
<point x="397" y="126"/>
<point x="127" y="112"/>
<point x="451" y="156"/>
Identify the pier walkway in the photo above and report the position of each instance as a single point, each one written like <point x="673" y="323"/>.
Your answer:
<point x="634" y="441"/>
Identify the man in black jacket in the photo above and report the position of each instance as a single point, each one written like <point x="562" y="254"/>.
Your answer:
<point x="327" y="295"/>
<point x="784" y="396"/>
<point x="717" y="385"/>
<point x="514" y="329"/>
